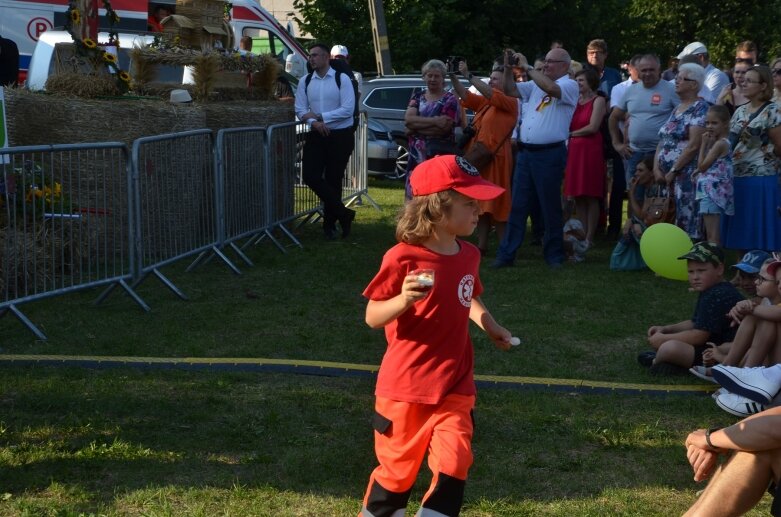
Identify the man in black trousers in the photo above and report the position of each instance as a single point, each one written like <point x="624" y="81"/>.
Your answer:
<point x="328" y="109"/>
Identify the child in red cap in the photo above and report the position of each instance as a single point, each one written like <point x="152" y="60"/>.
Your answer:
<point x="424" y="295"/>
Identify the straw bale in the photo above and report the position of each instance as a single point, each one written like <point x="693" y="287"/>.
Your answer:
<point x="40" y="119"/>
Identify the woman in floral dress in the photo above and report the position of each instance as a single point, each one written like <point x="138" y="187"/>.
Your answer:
<point x="679" y="145"/>
<point x="755" y="134"/>
<point x="431" y="117"/>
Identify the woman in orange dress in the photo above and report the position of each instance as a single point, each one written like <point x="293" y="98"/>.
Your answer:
<point x="495" y="117"/>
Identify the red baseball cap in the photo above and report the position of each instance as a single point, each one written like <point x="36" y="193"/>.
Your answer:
<point x="447" y="172"/>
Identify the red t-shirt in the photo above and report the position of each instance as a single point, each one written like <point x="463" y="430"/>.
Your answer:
<point x="429" y="351"/>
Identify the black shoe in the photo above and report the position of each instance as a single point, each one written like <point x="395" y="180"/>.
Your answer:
<point x="646" y="358"/>
<point x="346" y="222"/>
<point x="329" y="231"/>
<point x="668" y="369"/>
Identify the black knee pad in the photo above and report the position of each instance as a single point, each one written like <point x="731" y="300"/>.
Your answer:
<point x="447" y="497"/>
<point x="383" y="503"/>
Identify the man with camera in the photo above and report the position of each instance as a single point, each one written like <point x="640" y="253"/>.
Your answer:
<point x="550" y="98"/>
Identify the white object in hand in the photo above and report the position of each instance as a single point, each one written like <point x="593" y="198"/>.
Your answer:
<point x="515" y="341"/>
<point x="425" y="279"/>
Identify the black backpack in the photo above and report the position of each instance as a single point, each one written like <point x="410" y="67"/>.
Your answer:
<point x="340" y="66"/>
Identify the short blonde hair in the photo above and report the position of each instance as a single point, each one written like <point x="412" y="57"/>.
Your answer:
<point x="421" y="214"/>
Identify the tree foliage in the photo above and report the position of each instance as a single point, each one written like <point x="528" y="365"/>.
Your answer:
<point x="419" y="30"/>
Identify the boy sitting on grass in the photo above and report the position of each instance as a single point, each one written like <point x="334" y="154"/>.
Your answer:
<point x="680" y="346"/>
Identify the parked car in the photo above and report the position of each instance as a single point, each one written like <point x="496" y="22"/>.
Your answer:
<point x="385" y="99"/>
<point x="381" y="150"/>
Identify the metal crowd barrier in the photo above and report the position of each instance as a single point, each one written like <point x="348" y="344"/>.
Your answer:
<point x="81" y="216"/>
<point x="65" y="223"/>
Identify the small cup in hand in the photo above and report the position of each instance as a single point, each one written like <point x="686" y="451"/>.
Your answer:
<point x="425" y="278"/>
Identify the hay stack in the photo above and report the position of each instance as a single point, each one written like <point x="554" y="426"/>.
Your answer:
<point x="40" y="119"/>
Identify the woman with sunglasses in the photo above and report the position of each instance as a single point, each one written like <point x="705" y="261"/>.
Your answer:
<point x="679" y="146"/>
<point x="755" y="135"/>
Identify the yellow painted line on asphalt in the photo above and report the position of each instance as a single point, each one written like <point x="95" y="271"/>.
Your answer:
<point x="131" y="361"/>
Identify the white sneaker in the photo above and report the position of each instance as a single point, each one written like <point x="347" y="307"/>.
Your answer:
<point x="701" y="372"/>
<point x="718" y="392"/>
<point x="737" y="405"/>
<point x="752" y="383"/>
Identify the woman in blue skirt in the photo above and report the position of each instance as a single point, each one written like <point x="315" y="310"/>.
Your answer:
<point x="755" y="135"/>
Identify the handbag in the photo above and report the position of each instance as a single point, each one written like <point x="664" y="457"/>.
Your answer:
<point x="658" y="207"/>
<point x="626" y="256"/>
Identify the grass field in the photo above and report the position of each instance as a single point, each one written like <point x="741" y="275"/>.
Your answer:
<point x="160" y="442"/>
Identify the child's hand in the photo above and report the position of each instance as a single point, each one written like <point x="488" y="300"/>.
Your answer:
<point x="655" y="329"/>
<point x="412" y="290"/>
<point x="500" y="336"/>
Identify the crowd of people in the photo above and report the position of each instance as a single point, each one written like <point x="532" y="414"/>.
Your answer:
<point x="564" y="141"/>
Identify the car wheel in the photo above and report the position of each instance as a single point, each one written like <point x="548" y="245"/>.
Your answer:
<point x="401" y="164"/>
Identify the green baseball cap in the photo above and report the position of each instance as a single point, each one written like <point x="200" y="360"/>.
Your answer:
<point x="705" y="252"/>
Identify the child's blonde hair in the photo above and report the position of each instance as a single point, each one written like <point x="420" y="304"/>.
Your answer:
<point x="720" y="112"/>
<point x="421" y="214"/>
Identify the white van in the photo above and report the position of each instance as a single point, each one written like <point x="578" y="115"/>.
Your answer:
<point x="25" y="21"/>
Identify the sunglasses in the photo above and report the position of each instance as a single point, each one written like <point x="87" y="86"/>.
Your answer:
<point x="744" y="60"/>
<point x="776" y="71"/>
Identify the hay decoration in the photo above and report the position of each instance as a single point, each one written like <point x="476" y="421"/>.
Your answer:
<point x="144" y="70"/>
<point x="86" y="87"/>
<point x="217" y="76"/>
<point x="205" y="71"/>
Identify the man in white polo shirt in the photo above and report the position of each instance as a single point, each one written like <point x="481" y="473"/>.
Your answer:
<point x="549" y="98"/>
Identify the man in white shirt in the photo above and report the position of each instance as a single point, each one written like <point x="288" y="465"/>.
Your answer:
<point x="549" y="99"/>
<point x="328" y="109"/>
<point x="715" y="79"/>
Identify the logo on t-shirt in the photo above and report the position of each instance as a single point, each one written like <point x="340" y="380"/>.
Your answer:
<point x="656" y="99"/>
<point x="465" y="289"/>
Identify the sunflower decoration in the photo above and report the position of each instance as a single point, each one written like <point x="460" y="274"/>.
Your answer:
<point x="89" y="47"/>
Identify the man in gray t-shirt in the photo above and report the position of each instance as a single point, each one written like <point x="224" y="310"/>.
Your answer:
<point x="645" y="106"/>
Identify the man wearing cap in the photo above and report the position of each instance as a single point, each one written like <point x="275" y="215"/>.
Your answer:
<point x="680" y="346"/>
<point x="341" y="52"/>
<point x="715" y="79"/>
<point x="645" y="106"/>
<point x="328" y="110"/>
<point x="550" y="98"/>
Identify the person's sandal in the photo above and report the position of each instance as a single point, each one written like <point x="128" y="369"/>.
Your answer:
<point x="703" y="372"/>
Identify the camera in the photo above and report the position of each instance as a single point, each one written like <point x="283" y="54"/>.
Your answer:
<point x="452" y="64"/>
<point x="514" y="60"/>
<point x="466" y="135"/>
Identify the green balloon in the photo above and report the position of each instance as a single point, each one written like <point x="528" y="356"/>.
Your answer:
<point x="661" y="245"/>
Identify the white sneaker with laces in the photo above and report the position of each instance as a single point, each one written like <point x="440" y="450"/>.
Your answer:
<point x="752" y="383"/>
<point x="739" y="406"/>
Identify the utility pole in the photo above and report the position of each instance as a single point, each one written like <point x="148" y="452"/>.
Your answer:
<point x="380" y="37"/>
